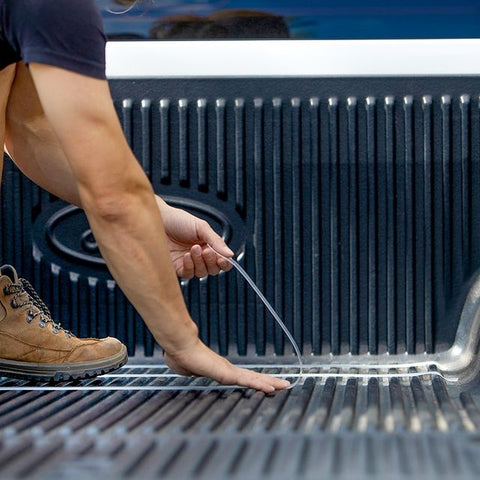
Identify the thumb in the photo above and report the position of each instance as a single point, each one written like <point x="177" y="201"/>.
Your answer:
<point x="216" y="242"/>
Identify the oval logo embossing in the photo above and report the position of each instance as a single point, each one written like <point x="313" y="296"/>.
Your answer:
<point x="68" y="234"/>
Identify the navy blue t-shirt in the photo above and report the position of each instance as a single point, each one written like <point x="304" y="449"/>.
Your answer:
<point x="63" y="33"/>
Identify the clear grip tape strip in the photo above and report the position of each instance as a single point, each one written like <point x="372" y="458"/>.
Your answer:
<point x="275" y="315"/>
<point x="212" y="387"/>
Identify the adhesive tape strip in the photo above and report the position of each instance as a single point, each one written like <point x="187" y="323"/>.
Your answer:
<point x="275" y="315"/>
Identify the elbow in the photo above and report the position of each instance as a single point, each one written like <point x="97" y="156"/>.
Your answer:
<point x="115" y="204"/>
<point x="107" y="207"/>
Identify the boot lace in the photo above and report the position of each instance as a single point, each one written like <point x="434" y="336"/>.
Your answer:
<point x="24" y="294"/>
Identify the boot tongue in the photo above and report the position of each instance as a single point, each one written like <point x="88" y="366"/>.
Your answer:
<point x="10" y="272"/>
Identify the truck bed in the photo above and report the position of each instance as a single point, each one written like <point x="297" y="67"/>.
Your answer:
<point x="354" y="203"/>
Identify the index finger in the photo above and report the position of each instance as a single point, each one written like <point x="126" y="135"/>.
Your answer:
<point x="223" y="264"/>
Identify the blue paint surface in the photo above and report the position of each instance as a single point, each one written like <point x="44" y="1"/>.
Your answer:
<point x="326" y="19"/>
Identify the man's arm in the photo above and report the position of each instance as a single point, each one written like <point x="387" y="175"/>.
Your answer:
<point x="121" y="208"/>
<point x="34" y="147"/>
<point x="117" y="198"/>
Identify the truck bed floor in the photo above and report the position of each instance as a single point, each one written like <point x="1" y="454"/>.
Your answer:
<point x="145" y="422"/>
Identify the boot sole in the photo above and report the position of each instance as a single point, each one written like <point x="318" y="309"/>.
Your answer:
<point x="62" y="372"/>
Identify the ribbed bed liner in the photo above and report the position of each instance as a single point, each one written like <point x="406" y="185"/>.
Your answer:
<point x="336" y="426"/>
<point x="354" y="203"/>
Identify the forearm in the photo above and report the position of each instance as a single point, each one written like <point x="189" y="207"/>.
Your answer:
<point x="133" y="244"/>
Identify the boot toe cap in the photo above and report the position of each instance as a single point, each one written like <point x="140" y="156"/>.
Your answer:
<point x="100" y="349"/>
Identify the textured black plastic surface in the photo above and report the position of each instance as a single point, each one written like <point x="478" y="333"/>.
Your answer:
<point x="340" y="428"/>
<point x="355" y="205"/>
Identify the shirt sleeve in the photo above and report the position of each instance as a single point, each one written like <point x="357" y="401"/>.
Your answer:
<point x="63" y="33"/>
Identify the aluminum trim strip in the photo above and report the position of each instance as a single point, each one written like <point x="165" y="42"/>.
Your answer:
<point x="292" y="58"/>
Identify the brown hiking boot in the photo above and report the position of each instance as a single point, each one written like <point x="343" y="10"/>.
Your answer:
<point x="34" y="347"/>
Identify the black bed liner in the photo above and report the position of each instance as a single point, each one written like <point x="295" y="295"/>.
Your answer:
<point x="355" y="206"/>
<point x="340" y="427"/>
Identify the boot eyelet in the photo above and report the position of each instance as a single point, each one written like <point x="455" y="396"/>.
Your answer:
<point x="13" y="304"/>
<point x="55" y="330"/>
<point x="29" y="317"/>
<point x="42" y="324"/>
<point x="6" y="290"/>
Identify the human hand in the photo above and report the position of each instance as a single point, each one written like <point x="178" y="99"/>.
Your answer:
<point x="187" y="238"/>
<point x="199" y="360"/>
